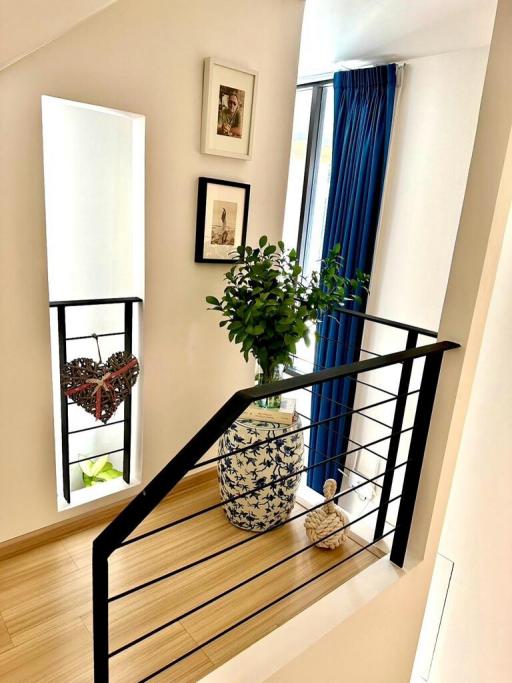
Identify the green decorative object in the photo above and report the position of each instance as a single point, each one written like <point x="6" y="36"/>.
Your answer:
<point x="97" y="471"/>
<point x="268" y="302"/>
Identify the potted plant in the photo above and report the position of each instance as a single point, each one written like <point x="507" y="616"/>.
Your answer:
<point x="97" y="471"/>
<point x="268" y="303"/>
<point x="267" y="307"/>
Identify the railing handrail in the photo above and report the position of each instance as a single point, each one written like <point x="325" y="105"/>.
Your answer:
<point x="161" y="485"/>
<point x="96" y="302"/>
<point x="422" y="331"/>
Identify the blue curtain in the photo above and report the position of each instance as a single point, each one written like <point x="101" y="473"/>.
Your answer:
<point x="363" y="112"/>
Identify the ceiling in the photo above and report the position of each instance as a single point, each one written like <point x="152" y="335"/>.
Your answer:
<point x="334" y="30"/>
<point x="355" y="32"/>
<point x="26" y="25"/>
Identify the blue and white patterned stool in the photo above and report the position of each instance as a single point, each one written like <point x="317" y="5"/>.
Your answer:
<point x="254" y="467"/>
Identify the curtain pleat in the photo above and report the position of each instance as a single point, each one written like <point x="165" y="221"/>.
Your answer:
<point x="363" y="112"/>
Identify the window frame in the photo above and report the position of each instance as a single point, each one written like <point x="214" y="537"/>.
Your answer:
<point x="313" y="147"/>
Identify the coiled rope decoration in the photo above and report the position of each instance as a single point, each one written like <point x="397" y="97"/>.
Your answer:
<point x="325" y="520"/>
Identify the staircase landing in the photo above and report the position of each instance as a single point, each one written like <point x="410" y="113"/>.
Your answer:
<point x="45" y="602"/>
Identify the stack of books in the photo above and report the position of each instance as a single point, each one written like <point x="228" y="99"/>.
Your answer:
<point x="283" y="415"/>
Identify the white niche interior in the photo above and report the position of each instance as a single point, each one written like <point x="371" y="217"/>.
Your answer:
<point x="94" y="202"/>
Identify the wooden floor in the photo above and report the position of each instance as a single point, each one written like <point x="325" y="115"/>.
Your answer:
<point x="45" y="596"/>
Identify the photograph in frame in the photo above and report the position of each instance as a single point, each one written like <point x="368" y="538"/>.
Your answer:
<point x="229" y="99"/>
<point x="222" y="212"/>
<point x="230" y="119"/>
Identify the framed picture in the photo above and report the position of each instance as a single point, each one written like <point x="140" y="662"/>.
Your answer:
<point x="229" y="100"/>
<point x="222" y="210"/>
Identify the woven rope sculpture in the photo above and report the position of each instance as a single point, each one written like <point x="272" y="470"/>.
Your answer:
<point x="100" y="388"/>
<point x="325" y="520"/>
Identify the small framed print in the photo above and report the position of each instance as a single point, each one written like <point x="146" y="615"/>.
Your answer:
<point x="229" y="100"/>
<point x="222" y="211"/>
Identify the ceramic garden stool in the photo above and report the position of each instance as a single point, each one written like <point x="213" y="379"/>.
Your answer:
<point x="254" y="467"/>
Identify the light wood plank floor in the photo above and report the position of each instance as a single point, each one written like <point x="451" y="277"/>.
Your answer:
<point x="45" y="597"/>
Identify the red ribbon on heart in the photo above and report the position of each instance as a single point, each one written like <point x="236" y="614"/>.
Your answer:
<point x="103" y="383"/>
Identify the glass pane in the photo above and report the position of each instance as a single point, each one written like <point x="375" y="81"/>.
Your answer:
<point x="297" y="166"/>
<point x="315" y="237"/>
<point x="304" y="362"/>
<point x="94" y="198"/>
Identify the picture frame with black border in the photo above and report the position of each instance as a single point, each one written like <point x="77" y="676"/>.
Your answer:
<point x="222" y="216"/>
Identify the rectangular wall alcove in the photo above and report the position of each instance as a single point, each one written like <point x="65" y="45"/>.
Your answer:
<point x="94" y="201"/>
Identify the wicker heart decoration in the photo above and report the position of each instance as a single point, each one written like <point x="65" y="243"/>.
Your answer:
<point x="100" y="388"/>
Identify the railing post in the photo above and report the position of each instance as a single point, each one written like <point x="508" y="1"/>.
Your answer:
<point x="127" y="441"/>
<point x="100" y="613"/>
<point x="415" y="460"/>
<point x="394" y="442"/>
<point x="64" y="419"/>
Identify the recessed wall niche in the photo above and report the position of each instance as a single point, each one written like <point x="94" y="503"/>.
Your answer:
<point x="94" y="202"/>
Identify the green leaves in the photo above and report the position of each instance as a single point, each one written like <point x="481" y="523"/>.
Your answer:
<point x="97" y="471"/>
<point x="268" y="305"/>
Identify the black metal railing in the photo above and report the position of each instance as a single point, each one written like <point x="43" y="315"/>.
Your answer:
<point x="118" y="533"/>
<point x="127" y="334"/>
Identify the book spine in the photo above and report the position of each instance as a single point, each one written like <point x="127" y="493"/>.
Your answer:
<point x="264" y="416"/>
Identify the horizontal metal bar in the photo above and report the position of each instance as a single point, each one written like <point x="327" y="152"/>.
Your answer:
<point x="346" y="467"/>
<point x="361" y="447"/>
<point x="371" y="353"/>
<point x="96" y="302"/>
<point x="348" y="370"/>
<point x="358" y="411"/>
<point x="348" y="346"/>
<point x="87" y="429"/>
<point x="372" y="386"/>
<point x="389" y="323"/>
<point x="241" y="584"/>
<point x="316" y="366"/>
<point x="266" y="607"/>
<point x="90" y="336"/>
<point x="312" y="84"/>
<point x="338" y="433"/>
<point x="254" y="537"/>
<point x="357" y="474"/>
<point x="144" y="502"/>
<point x="98" y="455"/>
<point x="319" y="423"/>
<point x="279" y="480"/>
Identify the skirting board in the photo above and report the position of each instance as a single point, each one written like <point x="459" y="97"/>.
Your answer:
<point x="54" y="532"/>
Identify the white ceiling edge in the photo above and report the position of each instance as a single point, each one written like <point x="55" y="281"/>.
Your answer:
<point x="348" y="34"/>
<point x="28" y="25"/>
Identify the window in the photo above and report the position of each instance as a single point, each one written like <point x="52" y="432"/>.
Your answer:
<point x="94" y="202"/>
<point x="309" y="173"/>
<point x="308" y="185"/>
<point x="306" y="203"/>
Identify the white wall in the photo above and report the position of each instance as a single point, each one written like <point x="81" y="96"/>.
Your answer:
<point x="143" y="57"/>
<point x="430" y="153"/>
<point x="474" y="639"/>
<point x="388" y="625"/>
<point x="433" y="138"/>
